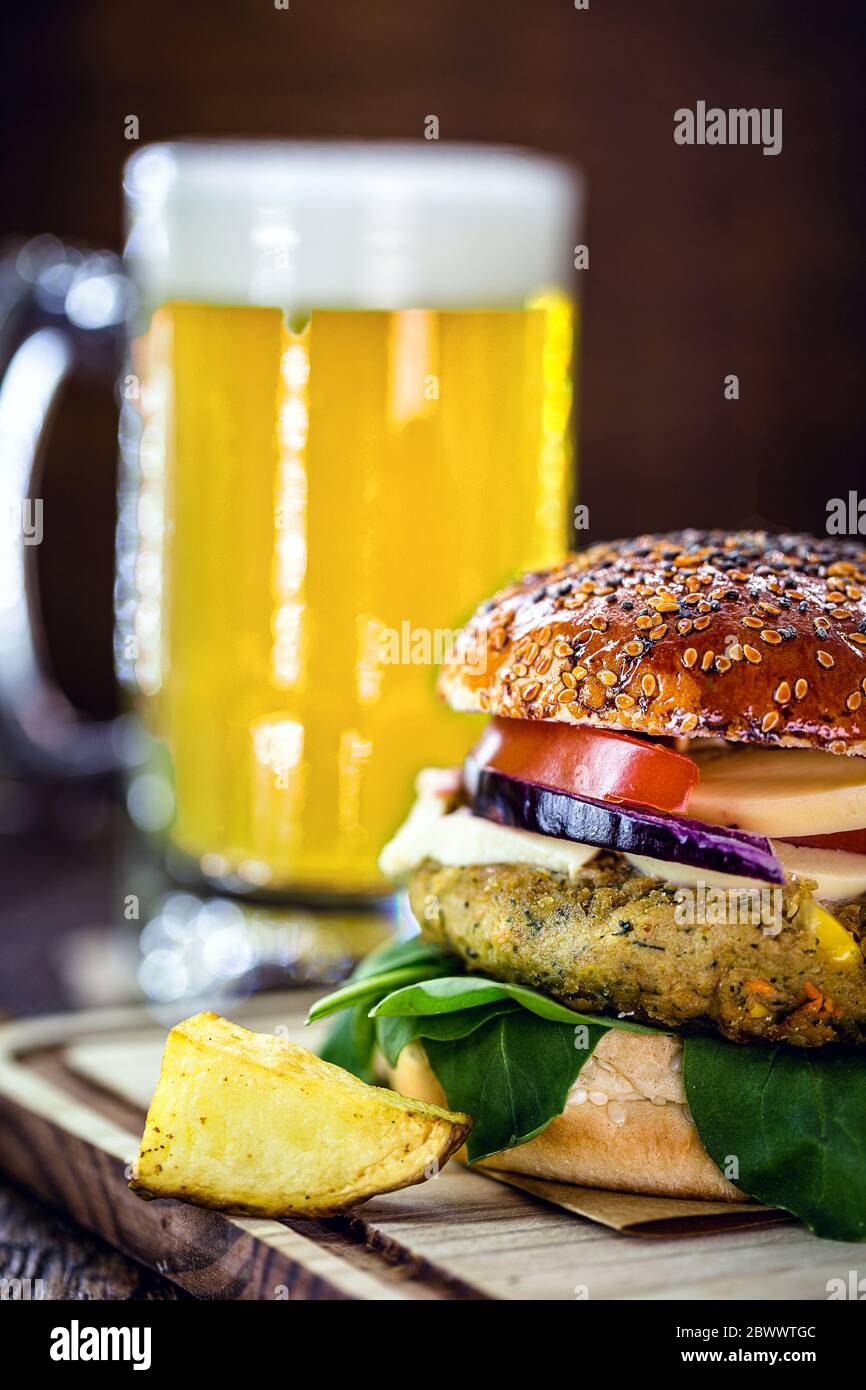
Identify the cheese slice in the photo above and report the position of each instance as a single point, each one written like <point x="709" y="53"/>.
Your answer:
<point x="689" y="877"/>
<point x="779" y="791"/>
<point x="838" y="874"/>
<point x="458" y="838"/>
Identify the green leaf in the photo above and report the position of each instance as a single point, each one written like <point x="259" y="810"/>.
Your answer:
<point x="350" y="1043"/>
<point x="451" y="993"/>
<point x="795" y="1121"/>
<point x="363" y="991"/>
<point x="392" y="955"/>
<point x="351" y="1040"/>
<point x="385" y="969"/>
<point x="392" y="1034"/>
<point x="512" y="1074"/>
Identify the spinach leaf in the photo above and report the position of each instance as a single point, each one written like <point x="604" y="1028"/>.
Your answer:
<point x="451" y="993"/>
<point x="399" y="963"/>
<point x="392" y="955"/>
<point x="513" y="1074"/>
<point x="392" y="1034"/>
<point x="795" y="1121"/>
<point x="365" y="991"/>
<point x="351" y="1042"/>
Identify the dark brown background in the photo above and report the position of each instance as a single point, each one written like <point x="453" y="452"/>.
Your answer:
<point x="702" y="261"/>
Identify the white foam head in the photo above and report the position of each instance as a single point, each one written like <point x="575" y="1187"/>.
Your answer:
<point x="345" y="225"/>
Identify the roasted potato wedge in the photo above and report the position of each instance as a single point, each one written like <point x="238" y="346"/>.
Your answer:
<point x="250" y="1123"/>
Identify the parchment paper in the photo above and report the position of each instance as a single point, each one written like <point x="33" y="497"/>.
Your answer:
<point x="643" y="1216"/>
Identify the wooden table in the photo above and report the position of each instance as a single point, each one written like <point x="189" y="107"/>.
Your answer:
<point x="39" y="1244"/>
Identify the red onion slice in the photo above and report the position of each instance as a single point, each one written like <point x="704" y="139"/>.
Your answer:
<point x="617" y="826"/>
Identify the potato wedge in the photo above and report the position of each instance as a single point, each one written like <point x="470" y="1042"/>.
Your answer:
<point x="250" y="1123"/>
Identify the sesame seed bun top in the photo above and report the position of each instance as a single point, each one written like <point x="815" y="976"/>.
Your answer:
<point x="747" y="636"/>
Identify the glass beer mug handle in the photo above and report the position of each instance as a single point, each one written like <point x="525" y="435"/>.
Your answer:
<point x="60" y="307"/>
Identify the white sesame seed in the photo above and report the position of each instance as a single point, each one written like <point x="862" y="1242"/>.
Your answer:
<point x="616" y="1113"/>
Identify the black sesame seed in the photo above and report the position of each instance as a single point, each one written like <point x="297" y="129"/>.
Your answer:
<point x="559" y="590"/>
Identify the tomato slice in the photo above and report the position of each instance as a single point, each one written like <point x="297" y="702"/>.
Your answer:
<point x="854" y="841"/>
<point x="588" y="762"/>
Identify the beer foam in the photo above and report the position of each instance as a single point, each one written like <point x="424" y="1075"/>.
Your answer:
<point x="353" y="226"/>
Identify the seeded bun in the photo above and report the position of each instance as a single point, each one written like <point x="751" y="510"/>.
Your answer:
<point x="745" y="636"/>
<point x="631" y="1133"/>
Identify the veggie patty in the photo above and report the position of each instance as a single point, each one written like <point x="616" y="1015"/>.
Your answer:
<point x="614" y="941"/>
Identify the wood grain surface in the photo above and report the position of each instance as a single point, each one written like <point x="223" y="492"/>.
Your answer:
<point x="54" y="1259"/>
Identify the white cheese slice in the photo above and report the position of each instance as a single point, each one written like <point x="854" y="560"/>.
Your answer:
<point x="690" y="877"/>
<point x="837" y="873"/>
<point x="457" y="838"/>
<point x="779" y="791"/>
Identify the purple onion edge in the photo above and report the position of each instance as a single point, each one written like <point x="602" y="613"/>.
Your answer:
<point x="715" y="848"/>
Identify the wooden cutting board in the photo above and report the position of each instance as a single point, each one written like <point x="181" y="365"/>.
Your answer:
<point x="73" y="1093"/>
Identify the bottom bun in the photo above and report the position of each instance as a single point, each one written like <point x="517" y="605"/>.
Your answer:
<point x="626" y="1126"/>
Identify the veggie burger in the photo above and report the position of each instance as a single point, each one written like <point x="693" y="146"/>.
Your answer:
<point x="642" y="899"/>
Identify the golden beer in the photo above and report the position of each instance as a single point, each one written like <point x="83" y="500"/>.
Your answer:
<point x="320" y="499"/>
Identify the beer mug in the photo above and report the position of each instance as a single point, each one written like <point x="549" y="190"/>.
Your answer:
<point x="345" y="417"/>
